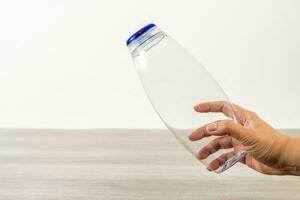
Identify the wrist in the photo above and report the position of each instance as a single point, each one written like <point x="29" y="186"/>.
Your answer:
<point x="289" y="160"/>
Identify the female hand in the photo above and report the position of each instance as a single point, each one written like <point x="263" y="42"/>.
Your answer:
<point x="267" y="150"/>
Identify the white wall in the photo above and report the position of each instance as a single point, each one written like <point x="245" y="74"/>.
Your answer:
<point x="64" y="64"/>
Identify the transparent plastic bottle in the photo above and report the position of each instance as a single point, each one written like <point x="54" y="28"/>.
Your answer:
<point x="174" y="82"/>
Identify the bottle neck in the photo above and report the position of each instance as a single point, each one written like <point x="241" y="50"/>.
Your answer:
<point x="145" y="41"/>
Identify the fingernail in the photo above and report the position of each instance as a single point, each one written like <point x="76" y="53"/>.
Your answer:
<point x="211" y="127"/>
<point x="209" y="168"/>
<point x="191" y="136"/>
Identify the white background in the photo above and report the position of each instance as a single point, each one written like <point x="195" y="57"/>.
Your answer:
<point x="64" y="64"/>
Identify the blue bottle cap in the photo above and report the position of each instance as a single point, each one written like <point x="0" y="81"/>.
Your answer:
<point x="139" y="33"/>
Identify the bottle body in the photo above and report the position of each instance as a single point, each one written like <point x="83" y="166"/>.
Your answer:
<point x="175" y="82"/>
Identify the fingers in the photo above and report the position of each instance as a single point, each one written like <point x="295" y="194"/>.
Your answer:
<point x="224" y="107"/>
<point x="219" y="128"/>
<point x="215" y="164"/>
<point x="215" y="106"/>
<point x="224" y="142"/>
<point x="199" y="134"/>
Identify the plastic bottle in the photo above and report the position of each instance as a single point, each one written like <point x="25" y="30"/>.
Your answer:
<point x="174" y="82"/>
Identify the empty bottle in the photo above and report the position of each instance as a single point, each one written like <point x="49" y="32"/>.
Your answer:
<point x="174" y="82"/>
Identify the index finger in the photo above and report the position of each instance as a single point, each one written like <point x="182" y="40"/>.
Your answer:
<point x="218" y="106"/>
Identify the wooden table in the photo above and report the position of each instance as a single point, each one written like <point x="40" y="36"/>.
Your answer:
<point x="121" y="164"/>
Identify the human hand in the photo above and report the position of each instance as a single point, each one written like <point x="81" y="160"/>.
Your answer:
<point x="267" y="149"/>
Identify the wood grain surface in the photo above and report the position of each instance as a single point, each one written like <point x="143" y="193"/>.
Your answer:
<point x="121" y="164"/>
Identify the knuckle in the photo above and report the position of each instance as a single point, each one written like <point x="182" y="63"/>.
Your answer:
<point x="226" y="126"/>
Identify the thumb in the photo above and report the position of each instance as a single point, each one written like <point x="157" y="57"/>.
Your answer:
<point x="227" y="127"/>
